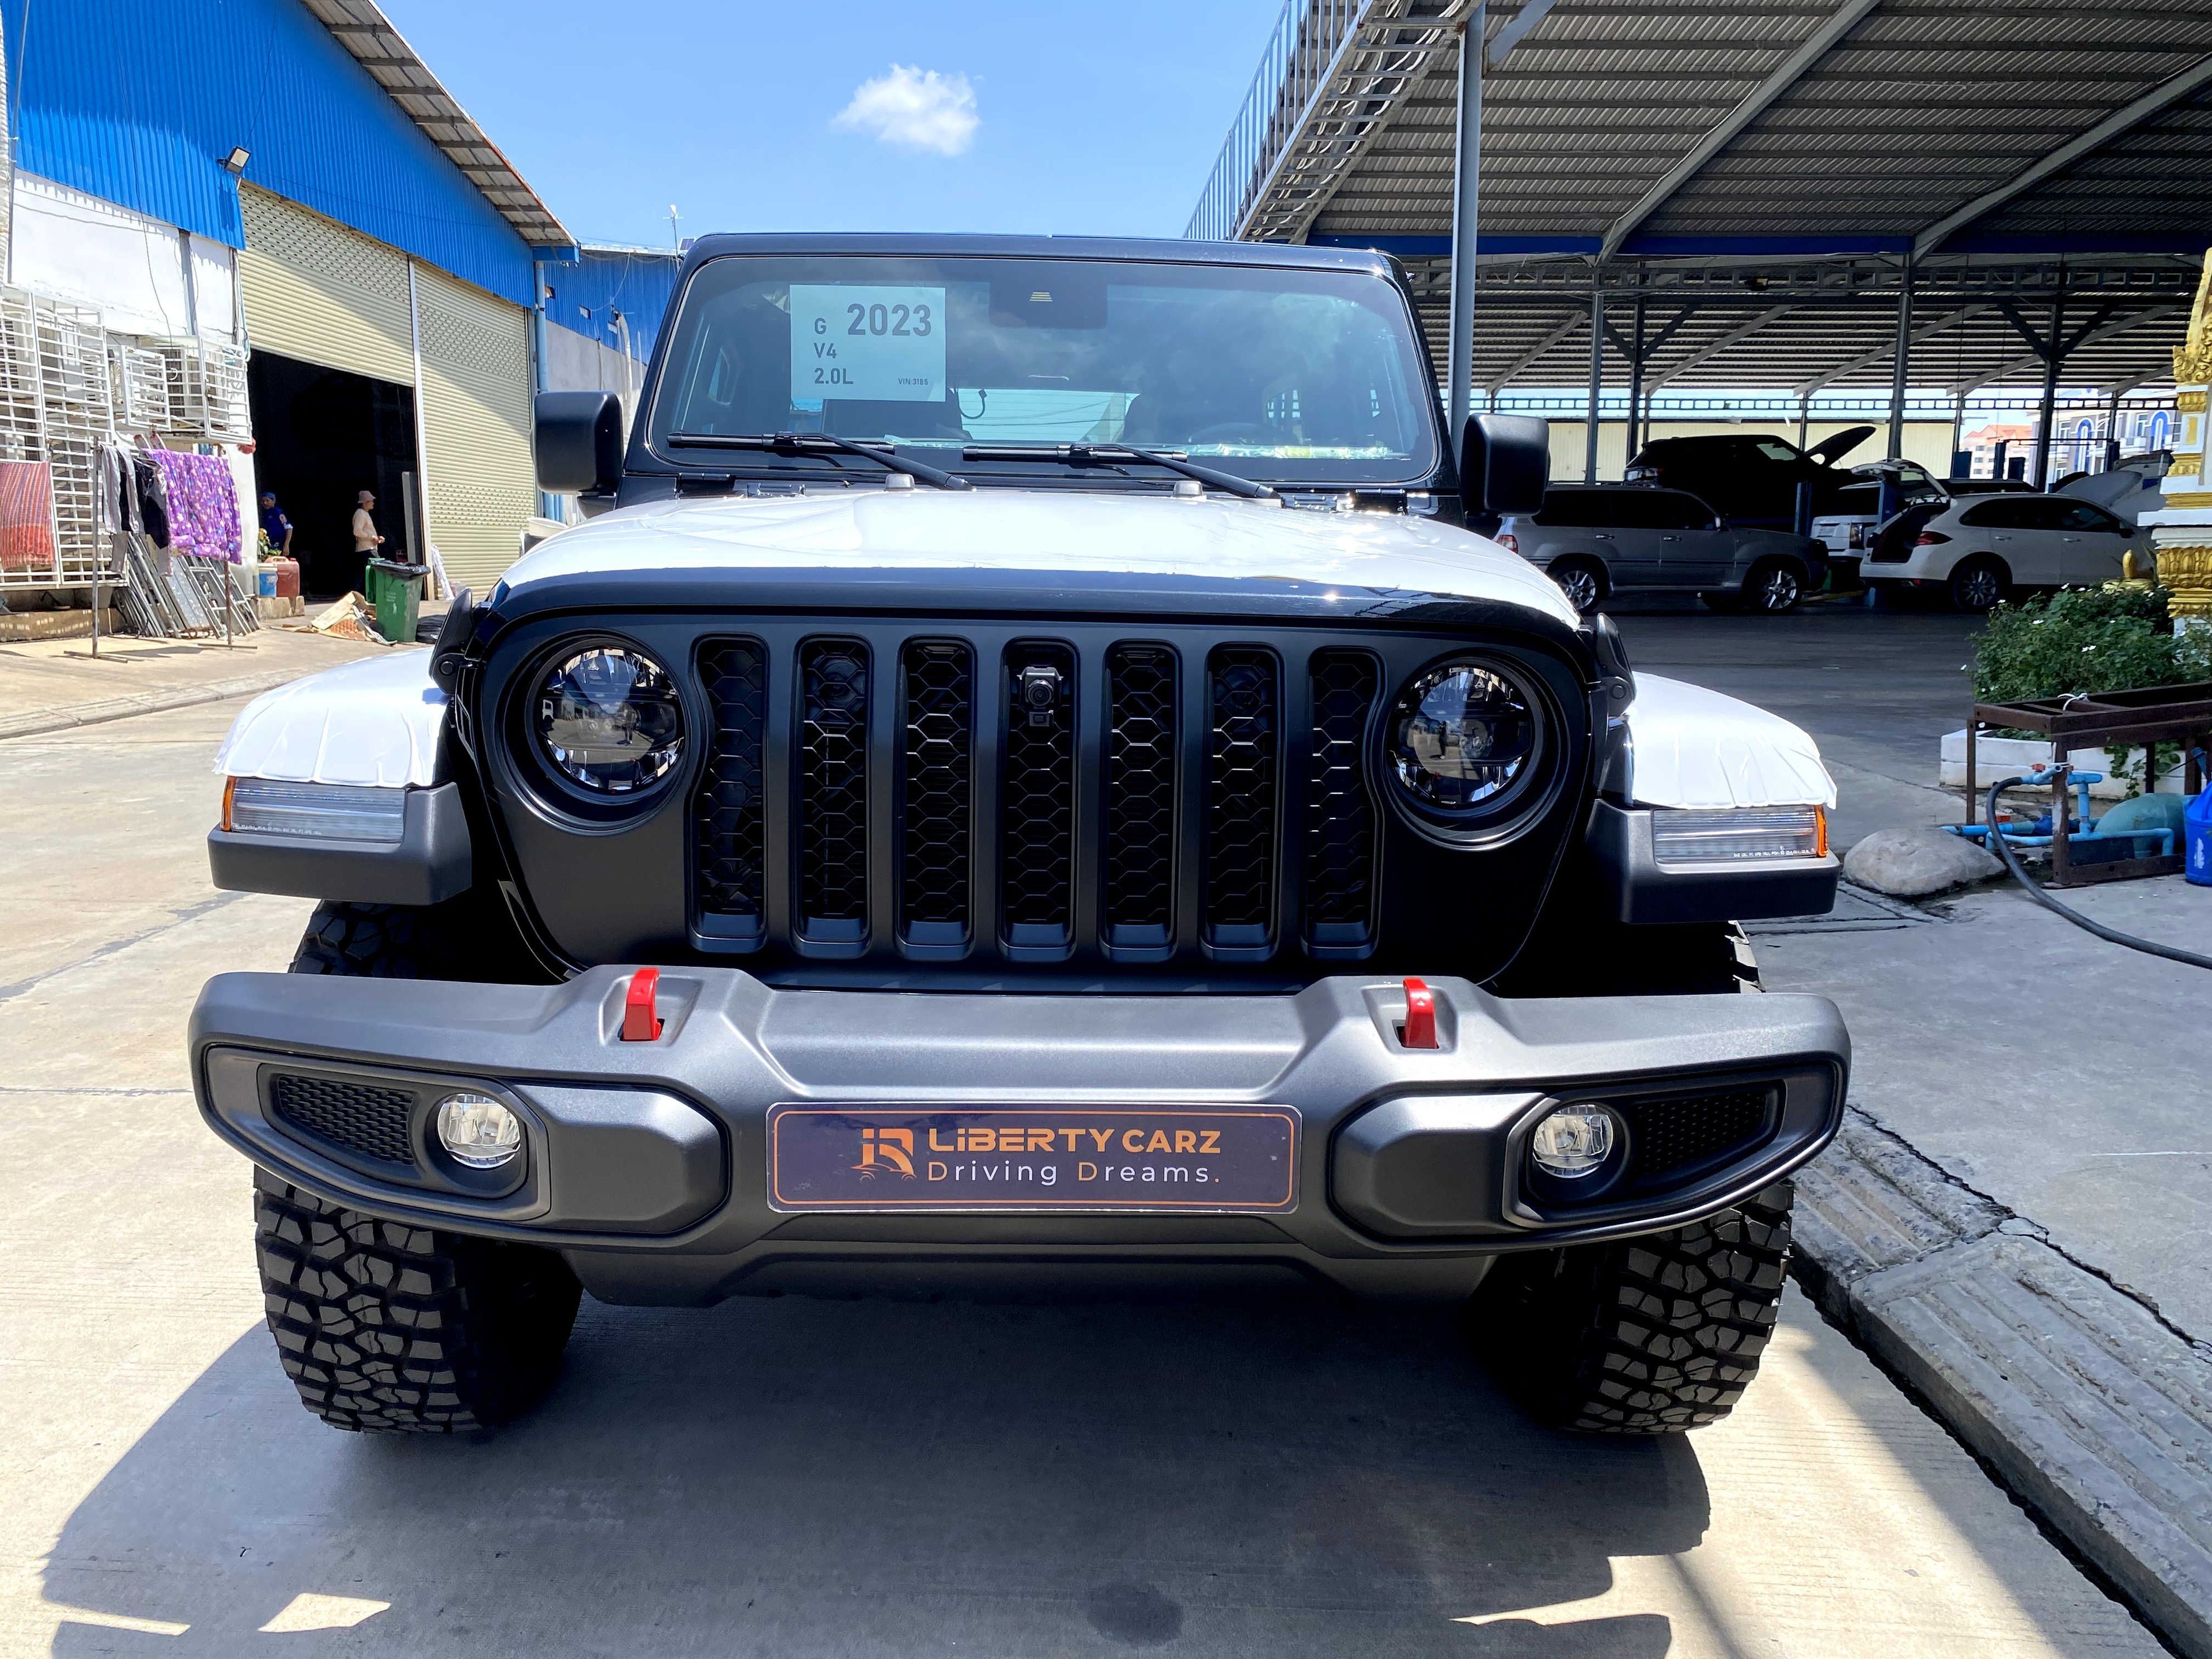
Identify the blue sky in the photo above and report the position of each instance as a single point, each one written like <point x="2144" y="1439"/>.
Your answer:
<point x="981" y="116"/>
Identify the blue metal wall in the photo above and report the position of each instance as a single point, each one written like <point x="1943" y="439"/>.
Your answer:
<point x="587" y="291"/>
<point x="138" y="100"/>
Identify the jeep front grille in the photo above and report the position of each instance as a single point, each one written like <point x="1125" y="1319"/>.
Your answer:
<point x="1240" y="798"/>
<point x="1037" y="819"/>
<point x="832" y="790"/>
<point x="936" y="786"/>
<point x="1028" y="798"/>
<point x="1340" y="837"/>
<point x="729" y="819"/>
<point x="1141" y="763"/>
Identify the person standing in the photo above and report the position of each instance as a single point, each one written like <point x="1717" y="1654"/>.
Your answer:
<point x="365" y="541"/>
<point x="275" y="525"/>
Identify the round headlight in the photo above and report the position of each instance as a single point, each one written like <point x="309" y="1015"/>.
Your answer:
<point x="609" y="721"/>
<point x="1462" y="738"/>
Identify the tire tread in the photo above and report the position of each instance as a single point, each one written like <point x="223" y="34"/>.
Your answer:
<point x="1655" y="1334"/>
<point x="388" y="1326"/>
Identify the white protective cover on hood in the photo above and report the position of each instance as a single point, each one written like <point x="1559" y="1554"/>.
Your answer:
<point x="373" y="722"/>
<point x="1036" y="530"/>
<point x="1692" y="747"/>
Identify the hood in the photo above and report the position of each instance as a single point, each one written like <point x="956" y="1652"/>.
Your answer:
<point x="1837" y="445"/>
<point x="1047" y="539"/>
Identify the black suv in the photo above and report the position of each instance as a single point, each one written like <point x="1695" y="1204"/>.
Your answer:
<point x="1750" y="478"/>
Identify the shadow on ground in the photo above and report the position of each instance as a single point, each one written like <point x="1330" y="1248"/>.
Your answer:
<point x="794" y="1477"/>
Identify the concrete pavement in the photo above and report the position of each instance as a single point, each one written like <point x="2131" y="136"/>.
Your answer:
<point x="49" y="685"/>
<point x="2017" y="1220"/>
<point x="794" y="1477"/>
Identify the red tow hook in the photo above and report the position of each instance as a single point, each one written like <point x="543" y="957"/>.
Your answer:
<point x="640" y="1017"/>
<point x="1419" y="1030"/>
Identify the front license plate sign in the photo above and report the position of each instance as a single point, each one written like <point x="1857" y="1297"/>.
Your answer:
<point x="1236" y="1159"/>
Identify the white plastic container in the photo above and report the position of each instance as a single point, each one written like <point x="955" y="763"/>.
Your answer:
<point x="2003" y="757"/>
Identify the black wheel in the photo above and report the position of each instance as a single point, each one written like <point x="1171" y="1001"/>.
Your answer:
<point x="1980" y="584"/>
<point x="1649" y="1335"/>
<point x="1583" y="582"/>
<point x="1774" y="588"/>
<point x="386" y="1326"/>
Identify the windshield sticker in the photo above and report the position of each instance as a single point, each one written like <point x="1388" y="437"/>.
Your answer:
<point x="872" y="344"/>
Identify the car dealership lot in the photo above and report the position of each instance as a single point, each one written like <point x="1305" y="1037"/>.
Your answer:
<point x="791" y="1476"/>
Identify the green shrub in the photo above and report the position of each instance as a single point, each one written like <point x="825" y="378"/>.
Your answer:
<point x="2087" y="638"/>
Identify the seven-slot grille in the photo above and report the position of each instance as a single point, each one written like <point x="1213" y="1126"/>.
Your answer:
<point x="1133" y="796"/>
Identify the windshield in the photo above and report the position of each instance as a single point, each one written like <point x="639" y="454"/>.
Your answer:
<point x="1273" y="374"/>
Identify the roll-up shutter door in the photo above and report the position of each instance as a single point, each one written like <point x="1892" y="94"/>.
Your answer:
<point x="476" y="424"/>
<point x="315" y="290"/>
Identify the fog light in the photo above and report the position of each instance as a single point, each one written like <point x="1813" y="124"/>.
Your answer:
<point x="1573" y="1142"/>
<point x="478" y="1131"/>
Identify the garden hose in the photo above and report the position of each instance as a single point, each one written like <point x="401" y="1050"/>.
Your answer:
<point x="2110" y="935"/>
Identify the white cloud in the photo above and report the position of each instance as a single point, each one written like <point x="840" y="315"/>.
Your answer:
<point x="916" y="107"/>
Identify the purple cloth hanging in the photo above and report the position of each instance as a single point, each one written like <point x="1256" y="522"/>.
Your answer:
<point x="202" y="505"/>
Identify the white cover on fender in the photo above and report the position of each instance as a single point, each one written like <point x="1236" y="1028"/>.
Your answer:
<point x="372" y="722"/>
<point x="1692" y="747"/>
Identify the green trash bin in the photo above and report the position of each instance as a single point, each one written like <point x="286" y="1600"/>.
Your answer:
<point x="396" y="592"/>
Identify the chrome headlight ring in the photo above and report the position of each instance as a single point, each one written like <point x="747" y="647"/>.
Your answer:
<point x="605" y="722"/>
<point x="1469" y="749"/>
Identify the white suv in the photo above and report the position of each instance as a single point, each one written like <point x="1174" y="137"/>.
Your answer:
<point x="1980" y="548"/>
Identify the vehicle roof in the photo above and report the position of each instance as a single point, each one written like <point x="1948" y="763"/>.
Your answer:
<point x="933" y="244"/>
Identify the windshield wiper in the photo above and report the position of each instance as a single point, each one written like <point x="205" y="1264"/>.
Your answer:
<point x="1117" y="455"/>
<point x="816" y="443"/>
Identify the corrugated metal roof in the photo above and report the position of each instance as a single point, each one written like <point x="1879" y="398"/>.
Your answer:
<point x="1758" y="170"/>
<point x="1814" y="325"/>
<point x="137" y="102"/>
<point x="362" y="29"/>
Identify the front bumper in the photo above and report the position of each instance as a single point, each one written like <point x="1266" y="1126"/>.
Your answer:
<point x="648" y="1163"/>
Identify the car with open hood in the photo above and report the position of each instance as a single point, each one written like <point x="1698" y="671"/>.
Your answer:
<point x="1750" y="478"/>
<point x="1024" y="776"/>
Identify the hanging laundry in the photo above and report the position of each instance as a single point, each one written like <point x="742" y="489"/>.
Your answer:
<point x="152" y="490"/>
<point x="116" y="502"/>
<point x="27" y="515"/>
<point x="202" y="505"/>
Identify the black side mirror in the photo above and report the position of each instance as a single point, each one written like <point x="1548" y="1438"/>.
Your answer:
<point x="1504" y="462"/>
<point x="578" y="443"/>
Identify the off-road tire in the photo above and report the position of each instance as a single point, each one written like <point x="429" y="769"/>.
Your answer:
<point x="384" y="1326"/>
<point x="1643" y="1336"/>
